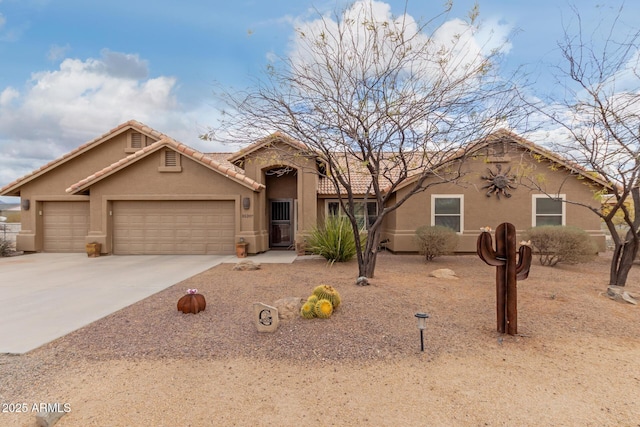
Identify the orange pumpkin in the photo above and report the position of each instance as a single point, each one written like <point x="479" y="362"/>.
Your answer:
<point x="192" y="303"/>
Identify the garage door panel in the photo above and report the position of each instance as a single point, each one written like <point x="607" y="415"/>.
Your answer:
<point x="225" y="221"/>
<point x="174" y="227"/>
<point x="65" y="226"/>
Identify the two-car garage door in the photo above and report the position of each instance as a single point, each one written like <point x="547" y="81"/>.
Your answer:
<point x="173" y="227"/>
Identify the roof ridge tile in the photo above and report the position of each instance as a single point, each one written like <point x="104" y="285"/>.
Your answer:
<point x="178" y="146"/>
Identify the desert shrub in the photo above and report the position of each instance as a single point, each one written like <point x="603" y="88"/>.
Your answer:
<point x="12" y="216"/>
<point x="435" y="240"/>
<point x="6" y="247"/>
<point x="334" y="240"/>
<point x="554" y="244"/>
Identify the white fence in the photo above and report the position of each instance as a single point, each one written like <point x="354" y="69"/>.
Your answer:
<point x="8" y="231"/>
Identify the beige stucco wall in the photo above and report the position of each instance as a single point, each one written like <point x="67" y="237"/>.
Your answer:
<point x="481" y="211"/>
<point x="307" y="204"/>
<point x="51" y="185"/>
<point x="280" y="154"/>
<point x="143" y="181"/>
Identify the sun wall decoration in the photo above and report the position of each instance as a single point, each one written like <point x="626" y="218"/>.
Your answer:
<point x="499" y="182"/>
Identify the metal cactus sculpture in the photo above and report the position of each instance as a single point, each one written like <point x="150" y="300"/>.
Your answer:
<point x="508" y="271"/>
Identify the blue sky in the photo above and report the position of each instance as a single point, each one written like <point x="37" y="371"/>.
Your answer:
<point x="71" y="70"/>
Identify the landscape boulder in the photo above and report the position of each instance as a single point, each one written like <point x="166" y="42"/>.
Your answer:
<point x="48" y="419"/>
<point x="246" y="265"/>
<point x="618" y="293"/>
<point x="443" y="273"/>
<point x="289" y="307"/>
<point x="362" y="281"/>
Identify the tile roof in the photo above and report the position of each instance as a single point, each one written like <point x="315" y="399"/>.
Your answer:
<point x="504" y="134"/>
<point x="222" y="158"/>
<point x="508" y="136"/>
<point x="131" y="124"/>
<point x="266" y="141"/>
<point x="359" y="175"/>
<point x="229" y="172"/>
<point x="224" y="162"/>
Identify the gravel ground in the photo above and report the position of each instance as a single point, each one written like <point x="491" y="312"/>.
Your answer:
<point x="575" y="361"/>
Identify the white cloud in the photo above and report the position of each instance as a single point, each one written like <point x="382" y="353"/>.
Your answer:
<point x="7" y="96"/>
<point x="57" y="52"/>
<point x="60" y="109"/>
<point x="271" y="56"/>
<point x="81" y="95"/>
<point x="456" y="45"/>
<point x="494" y="33"/>
<point x="123" y="65"/>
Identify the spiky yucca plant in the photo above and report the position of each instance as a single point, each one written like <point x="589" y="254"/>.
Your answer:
<point x="334" y="240"/>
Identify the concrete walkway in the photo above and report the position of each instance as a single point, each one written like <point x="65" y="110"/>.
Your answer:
<point x="45" y="296"/>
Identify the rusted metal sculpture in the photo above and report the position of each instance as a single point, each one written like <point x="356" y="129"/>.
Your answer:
<point x="508" y="271"/>
<point x="499" y="182"/>
<point x="192" y="302"/>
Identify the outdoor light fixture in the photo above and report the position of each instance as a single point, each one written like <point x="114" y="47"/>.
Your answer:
<point x="246" y="203"/>
<point x="25" y="204"/>
<point x="422" y="325"/>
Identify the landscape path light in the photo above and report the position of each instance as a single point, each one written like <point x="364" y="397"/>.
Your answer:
<point x="422" y="325"/>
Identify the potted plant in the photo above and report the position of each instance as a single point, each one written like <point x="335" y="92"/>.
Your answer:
<point x="93" y="249"/>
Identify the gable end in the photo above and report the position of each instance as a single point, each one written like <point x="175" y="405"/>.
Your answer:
<point x="137" y="141"/>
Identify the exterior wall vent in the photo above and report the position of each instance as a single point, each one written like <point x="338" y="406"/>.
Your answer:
<point x="136" y="140"/>
<point x="170" y="161"/>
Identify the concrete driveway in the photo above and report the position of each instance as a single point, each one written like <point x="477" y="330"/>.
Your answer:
<point x="44" y="296"/>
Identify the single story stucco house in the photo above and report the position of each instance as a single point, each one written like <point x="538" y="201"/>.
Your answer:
<point x="135" y="190"/>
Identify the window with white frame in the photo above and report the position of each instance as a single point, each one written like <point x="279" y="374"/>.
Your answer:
<point x="365" y="211"/>
<point x="548" y="210"/>
<point x="448" y="210"/>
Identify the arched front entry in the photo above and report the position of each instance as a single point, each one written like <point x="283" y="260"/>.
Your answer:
<point x="282" y="190"/>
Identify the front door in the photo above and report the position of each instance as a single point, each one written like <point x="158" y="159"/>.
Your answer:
<point x="281" y="223"/>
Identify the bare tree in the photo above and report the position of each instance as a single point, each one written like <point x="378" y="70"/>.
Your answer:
<point x="599" y="118"/>
<point x="378" y="97"/>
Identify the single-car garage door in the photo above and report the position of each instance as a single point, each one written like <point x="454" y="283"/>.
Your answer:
<point x="65" y="226"/>
<point x="173" y="227"/>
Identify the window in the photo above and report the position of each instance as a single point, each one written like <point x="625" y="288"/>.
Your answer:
<point x="548" y="210"/>
<point x="136" y="141"/>
<point x="447" y="210"/>
<point x="170" y="161"/>
<point x="366" y="212"/>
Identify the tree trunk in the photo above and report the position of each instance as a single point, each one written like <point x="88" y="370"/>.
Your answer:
<point x="367" y="259"/>
<point x="626" y="251"/>
<point x="615" y="261"/>
<point x="369" y="267"/>
<point x="623" y="257"/>
<point x="631" y="245"/>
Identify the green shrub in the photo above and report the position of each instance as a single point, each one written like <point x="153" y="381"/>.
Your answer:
<point x="6" y="247"/>
<point x="435" y="240"/>
<point x="554" y="244"/>
<point x="334" y="240"/>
